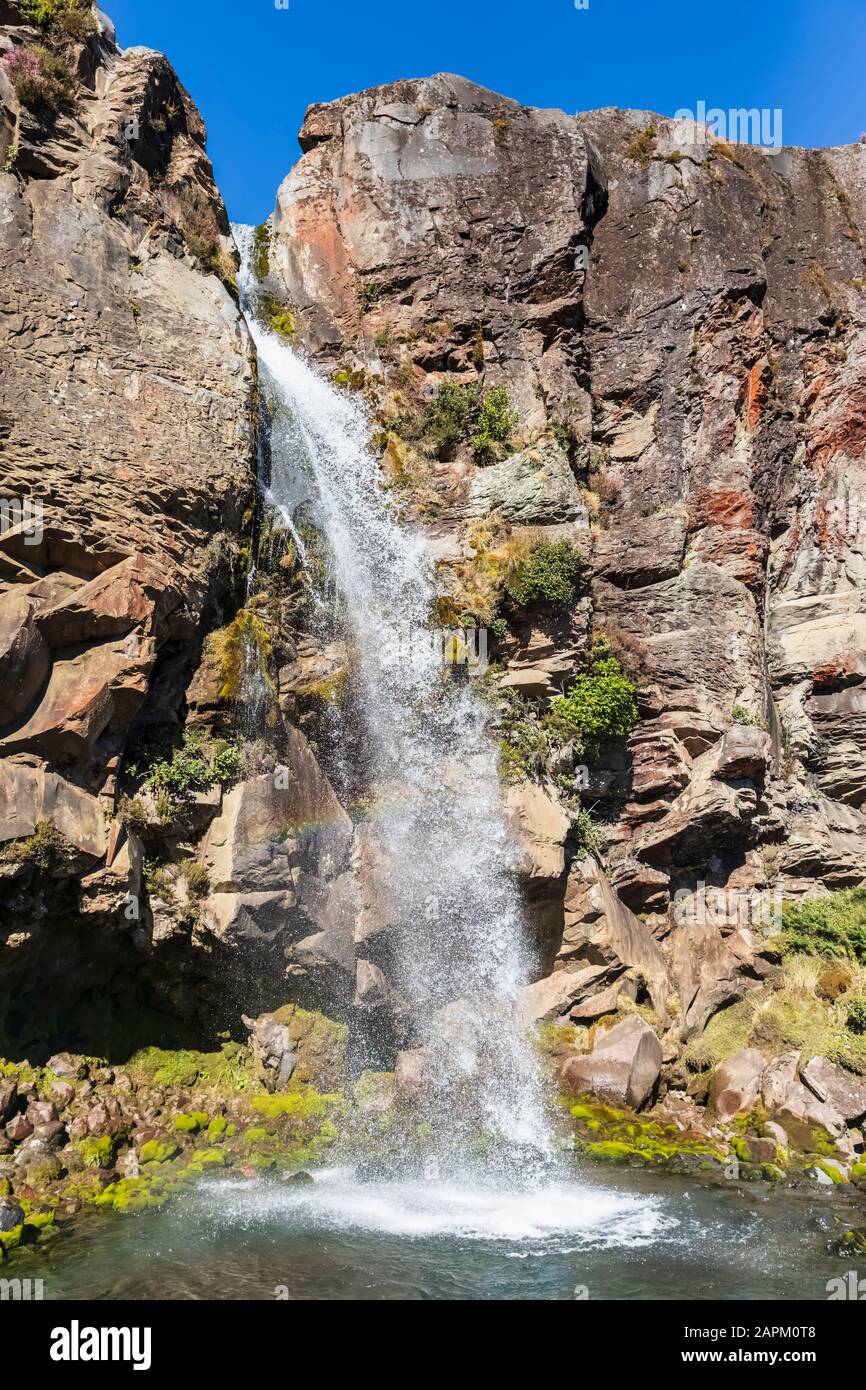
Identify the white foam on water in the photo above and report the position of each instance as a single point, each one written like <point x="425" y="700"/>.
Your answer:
<point x="582" y="1217"/>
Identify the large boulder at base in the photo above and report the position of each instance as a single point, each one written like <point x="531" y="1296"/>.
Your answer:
<point x="736" y="1083"/>
<point x="778" y="1077"/>
<point x="622" y="1068"/>
<point x="11" y="1215"/>
<point x="272" y="1048"/>
<point x="808" y="1123"/>
<point x="837" y="1088"/>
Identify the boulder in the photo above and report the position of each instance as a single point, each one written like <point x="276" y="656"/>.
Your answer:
<point x="623" y="1067"/>
<point x="736" y="1083"/>
<point x="271" y="1045"/>
<point x="18" y="1129"/>
<point x="552" y="997"/>
<point x="8" y="1099"/>
<point x="808" y="1123"/>
<point x="64" y="1064"/>
<point x="535" y="486"/>
<point x="11" y="1215"/>
<point x="778" y="1077"/>
<point x="744" y="752"/>
<point x="607" y="1002"/>
<point x="839" y="1089"/>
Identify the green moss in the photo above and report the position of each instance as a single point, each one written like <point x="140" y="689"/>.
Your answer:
<point x="305" y="1104"/>
<point x="276" y="315"/>
<point x="97" y="1153"/>
<point x="190" y="1123"/>
<point x="159" y="1151"/>
<point x="331" y="690"/>
<point x="10" y="1240"/>
<point x="230" y="1070"/>
<point x="243" y="651"/>
<point x="218" y="1128"/>
<point x="209" y="1158"/>
<point x="605" y="1132"/>
<point x="609" y="1149"/>
<point x="261" y="251"/>
<point x="256" y="1134"/>
<point x="832" y="1173"/>
<point x="134" y="1195"/>
<point x="40" y="1220"/>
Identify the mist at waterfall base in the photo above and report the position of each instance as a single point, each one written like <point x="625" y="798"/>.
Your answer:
<point x="445" y="856"/>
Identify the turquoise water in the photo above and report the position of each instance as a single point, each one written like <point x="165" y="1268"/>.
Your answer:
<point x="598" y="1234"/>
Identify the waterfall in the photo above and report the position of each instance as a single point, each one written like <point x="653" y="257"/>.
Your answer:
<point x="460" y="953"/>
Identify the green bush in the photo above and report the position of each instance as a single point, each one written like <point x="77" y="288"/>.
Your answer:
<point x="856" y="1017"/>
<point x="834" y="926"/>
<point x="496" y="423"/>
<point x="43" y="849"/>
<point x="185" y="771"/>
<point x="179" y="772"/>
<point x="461" y="411"/>
<point x="40" y="78"/>
<point x="523" y="744"/>
<point x="600" y="704"/>
<point x="45" y="12"/>
<point x="547" y="575"/>
<point x="452" y="414"/>
<point x="583" y="835"/>
<point x="227" y="764"/>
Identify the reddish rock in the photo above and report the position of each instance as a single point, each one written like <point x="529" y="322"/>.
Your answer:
<point x="18" y="1129"/>
<point x="735" y="1084"/>
<point x="622" y="1068"/>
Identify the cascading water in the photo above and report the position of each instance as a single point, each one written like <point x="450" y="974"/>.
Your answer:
<point x="442" y="837"/>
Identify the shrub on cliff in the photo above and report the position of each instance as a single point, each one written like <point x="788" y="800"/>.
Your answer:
<point x="496" y="424"/>
<point x="599" y="705"/>
<point x="43" y="849"/>
<point x="179" y="772"/>
<point x="40" y="78"/>
<point x="459" y="412"/>
<point x="548" y="574"/>
<point x="834" y="926"/>
<point x="73" y="18"/>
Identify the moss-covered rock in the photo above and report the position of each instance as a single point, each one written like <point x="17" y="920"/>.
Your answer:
<point x="158" y="1151"/>
<point x="96" y="1153"/>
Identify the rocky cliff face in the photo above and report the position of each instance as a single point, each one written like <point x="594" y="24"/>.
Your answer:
<point x="127" y="450"/>
<point x="680" y="328"/>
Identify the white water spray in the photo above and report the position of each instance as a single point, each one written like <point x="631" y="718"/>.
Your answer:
<point x="447" y="853"/>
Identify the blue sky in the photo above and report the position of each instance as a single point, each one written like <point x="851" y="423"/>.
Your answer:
<point x="253" y="68"/>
